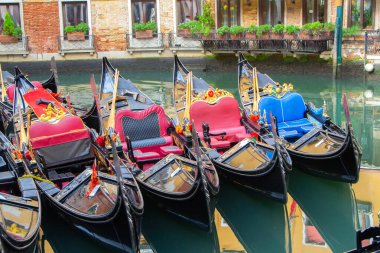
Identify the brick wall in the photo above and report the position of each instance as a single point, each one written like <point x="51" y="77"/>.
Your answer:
<point x="109" y="24"/>
<point x="293" y="12"/>
<point x="249" y="13"/>
<point x="41" y="25"/>
<point x="166" y="16"/>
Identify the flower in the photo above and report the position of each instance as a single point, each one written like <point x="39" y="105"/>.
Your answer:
<point x="101" y="140"/>
<point x="225" y="7"/>
<point x="190" y="127"/>
<point x="210" y="93"/>
<point x="178" y="129"/>
<point x="254" y="117"/>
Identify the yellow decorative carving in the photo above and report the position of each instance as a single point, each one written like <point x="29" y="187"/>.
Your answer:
<point x="52" y="113"/>
<point x="278" y="90"/>
<point x="211" y="96"/>
<point x="16" y="229"/>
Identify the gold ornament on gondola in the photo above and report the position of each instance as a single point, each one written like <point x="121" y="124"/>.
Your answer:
<point x="52" y="113"/>
<point x="211" y="96"/>
<point x="278" y="90"/>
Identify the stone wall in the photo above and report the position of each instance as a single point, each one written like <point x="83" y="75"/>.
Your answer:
<point x="41" y="24"/>
<point x="109" y="24"/>
<point x="293" y="12"/>
<point x="249" y="12"/>
<point x="166" y="16"/>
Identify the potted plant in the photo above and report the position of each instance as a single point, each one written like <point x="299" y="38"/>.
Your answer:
<point x="327" y="31"/>
<point x="185" y="29"/>
<point x="278" y="32"/>
<point x="291" y="32"/>
<point x="206" y="22"/>
<point x="222" y="32"/>
<point x="251" y="32"/>
<point x="310" y="30"/>
<point x="349" y="33"/>
<point x="8" y="30"/>
<point x="76" y="33"/>
<point x="236" y="32"/>
<point x="145" y="31"/>
<point x="263" y="31"/>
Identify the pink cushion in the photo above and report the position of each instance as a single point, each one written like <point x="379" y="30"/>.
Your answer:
<point x="11" y="89"/>
<point x="146" y="156"/>
<point x="218" y="144"/>
<point x="163" y="122"/>
<point x="68" y="129"/>
<point x="171" y="150"/>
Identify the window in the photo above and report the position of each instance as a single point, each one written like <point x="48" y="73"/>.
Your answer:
<point x="187" y="10"/>
<point x="311" y="236"/>
<point x="144" y="11"/>
<point x="271" y="11"/>
<point x="13" y="10"/>
<point x="228" y="12"/>
<point x="314" y="10"/>
<point x="361" y="13"/>
<point x="74" y="13"/>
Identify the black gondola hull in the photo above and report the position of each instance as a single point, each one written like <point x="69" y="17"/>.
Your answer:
<point x="343" y="165"/>
<point x="270" y="181"/>
<point x="195" y="206"/>
<point x="111" y="231"/>
<point x="11" y="245"/>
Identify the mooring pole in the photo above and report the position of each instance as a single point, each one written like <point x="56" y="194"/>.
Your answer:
<point x="337" y="59"/>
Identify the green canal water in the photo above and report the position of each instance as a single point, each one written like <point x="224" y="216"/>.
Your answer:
<point x="321" y="215"/>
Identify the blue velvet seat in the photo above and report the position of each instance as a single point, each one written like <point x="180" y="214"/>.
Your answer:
<point x="290" y="113"/>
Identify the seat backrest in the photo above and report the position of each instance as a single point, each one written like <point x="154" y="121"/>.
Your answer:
<point x="65" y="125"/>
<point x="141" y="125"/>
<point x="224" y="114"/>
<point x="288" y="108"/>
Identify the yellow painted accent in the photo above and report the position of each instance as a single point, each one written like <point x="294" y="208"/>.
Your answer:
<point x="2" y="85"/>
<point x="37" y="178"/>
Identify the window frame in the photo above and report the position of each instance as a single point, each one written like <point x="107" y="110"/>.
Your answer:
<point x="60" y="9"/>
<point x="261" y="22"/>
<point x="315" y="11"/>
<point x="361" y="19"/>
<point x="21" y="8"/>
<point x="158" y="19"/>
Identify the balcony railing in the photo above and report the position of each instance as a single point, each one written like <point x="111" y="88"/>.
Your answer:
<point x="214" y="42"/>
<point x="372" y="42"/>
<point x="156" y="43"/>
<point x="76" y="46"/>
<point x="18" y="48"/>
<point x="179" y="42"/>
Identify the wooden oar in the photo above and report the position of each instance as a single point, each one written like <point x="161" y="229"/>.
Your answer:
<point x="2" y="85"/>
<point x="189" y="88"/>
<point x="23" y="138"/>
<point x="111" y="119"/>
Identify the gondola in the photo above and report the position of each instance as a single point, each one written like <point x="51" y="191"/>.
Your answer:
<point x="181" y="186"/>
<point x="226" y="140"/>
<point x="20" y="206"/>
<point x="95" y="194"/>
<point x="315" y="144"/>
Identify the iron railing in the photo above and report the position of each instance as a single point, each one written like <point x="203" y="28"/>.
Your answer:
<point x="178" y="42"/>
<point x="20" y="47"/>
<point x="147" y="44"/>
<point x="76" y="46"/>
<point x="372" y="42"/>
<point x="214" y="42"/>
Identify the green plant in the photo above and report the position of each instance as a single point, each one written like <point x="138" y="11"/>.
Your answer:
<point x="328" y="27"/>
<point x="264" y="29"/>
<point x="188" y="25"/>
<point x="223" y="30"/>
<point x="151" y="25"/>
<point x="9" y="25"/>
<point x="292" y="29"/>
<point x="351" y="31"/>
<point x="252" y="29"/>
<point x="312" y="28"/>
<point x="206" y="22"/>
<point x="17" y="32"/>
<point x="82" y="27"/>
<point x="235" y="30"/>
<point x="70" y="29"/>
<point x="279" y="28"/>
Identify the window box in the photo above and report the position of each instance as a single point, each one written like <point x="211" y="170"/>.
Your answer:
<point x="265" y="36"/>
<point x="277" y="36"/>
<point x="185" y="33"/>
<point x="250" y="36"/>
<point x="288" y="36"/>
<point x="221" y="37"/>
<point x="7" y="39"/>
<point x="236" y="37"/>
<point x="305" y="36"/>
<point x="146" y="34"/>
<point x="76" y="36"/>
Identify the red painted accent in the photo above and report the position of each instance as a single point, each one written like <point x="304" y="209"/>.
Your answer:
<point x="37" y="84"/>
<point x="171" y="150"/>
<point x="101" y="140"/>
<point x="32" y="96"/>
<point x="11" y="92"/>
<point x="313" y="235"/>
<point x="43" y="134"/>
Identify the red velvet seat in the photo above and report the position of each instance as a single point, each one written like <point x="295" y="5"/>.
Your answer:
<point x="223" y="116"/>
<point x="147" y="129"/>
<point x="11" y="90"/>
<point x="60" y="142"/>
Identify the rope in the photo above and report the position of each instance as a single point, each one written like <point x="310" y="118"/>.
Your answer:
<point x="37" y="178"/>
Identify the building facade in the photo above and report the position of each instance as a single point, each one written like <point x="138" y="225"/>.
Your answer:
<point x="111" y="23"/>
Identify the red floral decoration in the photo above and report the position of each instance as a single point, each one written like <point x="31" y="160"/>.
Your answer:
<point x="101" y="140"/>
<point x="190" y="127"/>
<point x="28" y="156"/>
<point x="254" y="117"/>
<point x="254" y="135"/>
<point x="178" y="129"/>
<point x="210" y="93"/>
